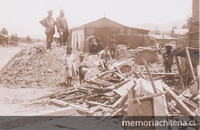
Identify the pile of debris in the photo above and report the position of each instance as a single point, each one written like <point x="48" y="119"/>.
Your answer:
<point x="103" y="95"/>
<point x="121" y="52"/>
<point x="109" y="94"/>
<point x="148" y="53"/>
<point x="34" y="67"/>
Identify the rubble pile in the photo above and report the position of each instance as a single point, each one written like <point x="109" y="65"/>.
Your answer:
<point x="103" y="95"/>
<point x="121" y="51"/>
<point x="149" y="54"/>
<point x="133" y="82"/>
<point x="34" y="67"/>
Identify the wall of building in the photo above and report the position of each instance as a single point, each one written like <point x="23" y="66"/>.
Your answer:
<point x="194" y="29"/>
<point x="78" y="38"/>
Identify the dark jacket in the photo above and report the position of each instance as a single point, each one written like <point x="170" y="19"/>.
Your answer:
<point x="61" y="24"/>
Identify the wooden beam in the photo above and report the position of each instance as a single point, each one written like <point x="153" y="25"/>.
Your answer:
<point x="125" y="98"/>
<point x="119" y="110"/>
<point x="123" y="90"/>
<point x="118" y="70"/>
<point x="186" y="110"/>
<point x="146" y="97"/>
<point x="78" y="108"/>
<point x="149" y="74"/>
<point x="192" y="70"/>
<point x="179" y="70"/>
<point x="100" y="82"/>
<point x="73" y="98"/>
<point x="166" y="74"/>
<point x="96" y="103"/>
<point x="117" y="102"/>
<point x="130" y="104"/>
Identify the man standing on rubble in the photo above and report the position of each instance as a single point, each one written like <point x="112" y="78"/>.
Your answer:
<point x="49" y="24"/>
<point x="104" y="56"/>
<point x="113" y="44"/>
<point x="168" y="59"/>
<point x="62" y="28"/>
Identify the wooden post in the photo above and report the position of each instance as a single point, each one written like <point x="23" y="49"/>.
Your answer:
<point x="179" y="70"/>
<point x="150" y="77"/>
<point x="191" y="67"/>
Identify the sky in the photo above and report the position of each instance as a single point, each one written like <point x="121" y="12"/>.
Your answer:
<point x="23" y="16"/>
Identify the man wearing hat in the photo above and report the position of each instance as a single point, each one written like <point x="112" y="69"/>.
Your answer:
<point x="49" y="24"/>
<point x="113" y="44"/>
<point x="168" y="58"/>
<point x="62" y="28"/>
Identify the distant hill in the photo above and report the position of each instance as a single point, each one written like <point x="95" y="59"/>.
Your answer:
<point x="163" y="27"/>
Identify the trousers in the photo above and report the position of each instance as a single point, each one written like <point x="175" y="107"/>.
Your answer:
<point x="49" y="37"/>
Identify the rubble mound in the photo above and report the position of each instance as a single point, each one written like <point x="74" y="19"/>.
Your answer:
<point x="149" y="54"/>
<point x="121" y="52"/>
<point x="34" y="67"/>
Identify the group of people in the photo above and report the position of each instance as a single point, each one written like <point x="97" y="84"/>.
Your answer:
<point x="104" y="56"/>
<point x="72" y="67"/>
<point x="62" y="28"/>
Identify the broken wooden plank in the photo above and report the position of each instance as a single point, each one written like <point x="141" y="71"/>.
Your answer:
<point x="150" y="77"/>
<point x="118" y="70"/>
<point x="119" y="110"/>
<point x="125" y="98"/>
<point x="123" y="90"/>
<point x="186" y="110"/>
<point x="146" y="97"/>
<point x="78" y="108"/>
<point x="96" y="103"/>
<point x="116" y="86"/>
<point x="192" y="70"/>
<point x="190" y="102"/>
<point x="47" y="95"/>
<point x="118" y="102"/>
<point x="104" y="82"/>
<point x="119" y="75"/>
<point x="166" y="74"/>
<point x="179" y="70"/>
<point x="183" y="93"/>
<point x="130" y="104"/>
<point x="74" y="97"/>
<point x="99" y="82"/>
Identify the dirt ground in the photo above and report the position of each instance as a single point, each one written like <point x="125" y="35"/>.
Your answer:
<point x="16" y="101"/>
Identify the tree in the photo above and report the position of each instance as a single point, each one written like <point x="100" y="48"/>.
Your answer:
<point x="28" y="39"/>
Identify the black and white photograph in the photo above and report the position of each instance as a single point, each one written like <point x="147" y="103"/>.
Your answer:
<point x="99" y="64"/>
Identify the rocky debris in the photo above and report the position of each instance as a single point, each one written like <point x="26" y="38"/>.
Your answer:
<point x="121" y="52"/>
<point x="34" y="67"/>
<point x="149" y="54"/>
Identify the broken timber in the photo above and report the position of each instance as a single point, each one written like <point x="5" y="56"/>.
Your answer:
<point x="186" y="110"/>
<point x="78" y="108"/>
